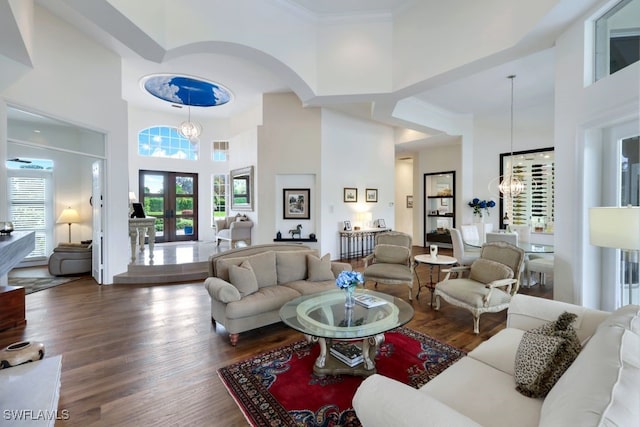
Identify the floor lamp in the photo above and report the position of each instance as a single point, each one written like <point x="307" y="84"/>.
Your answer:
<point x="619" y="228"/>
<point x="69" y="216"/>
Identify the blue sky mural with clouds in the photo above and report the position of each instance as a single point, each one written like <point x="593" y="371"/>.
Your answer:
<point x="187" y="90"/>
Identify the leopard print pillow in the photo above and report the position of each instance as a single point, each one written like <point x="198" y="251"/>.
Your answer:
<point x="544" y="354"/>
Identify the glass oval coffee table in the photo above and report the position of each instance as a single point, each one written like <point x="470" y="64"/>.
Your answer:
<point x="323" y="318"/>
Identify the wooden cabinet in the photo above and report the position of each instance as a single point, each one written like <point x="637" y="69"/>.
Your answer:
<point x="12" y="307"/>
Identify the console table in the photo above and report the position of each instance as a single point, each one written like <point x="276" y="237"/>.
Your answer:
<point x="138" y="228"/>
<point x="358" y="243"/>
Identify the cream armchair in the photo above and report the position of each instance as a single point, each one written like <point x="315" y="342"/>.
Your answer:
<point x="390" y="263"/>
<point x="234" y="229"/>
<point x="490" y="284"/>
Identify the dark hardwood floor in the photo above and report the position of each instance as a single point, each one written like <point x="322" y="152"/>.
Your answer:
<point x="141" y="355"/>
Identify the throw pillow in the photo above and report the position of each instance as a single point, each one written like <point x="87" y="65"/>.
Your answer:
<point x="486" y="271"/>
<point x="544" y="354"/>
<point x="319" y="269"/>
<point x="292" y="265"/>
<point x="243" y="278"/>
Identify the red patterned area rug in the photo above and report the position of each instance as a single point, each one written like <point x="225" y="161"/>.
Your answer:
<point x="279" y="388"/>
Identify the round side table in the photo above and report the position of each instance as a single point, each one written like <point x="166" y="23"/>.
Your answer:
<point x="434" y="263"/>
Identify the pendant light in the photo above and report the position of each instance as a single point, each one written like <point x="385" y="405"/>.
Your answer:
<point x="511" y="186"/>
<point x="190" y="130"/>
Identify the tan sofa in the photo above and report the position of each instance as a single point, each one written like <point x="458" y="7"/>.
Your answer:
<point x="248" y="286"/>
<point x="600" y="388"/>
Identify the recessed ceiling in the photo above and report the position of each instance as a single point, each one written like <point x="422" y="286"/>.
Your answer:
<point x="183" y="90"/>
<point x="350" y="6"/>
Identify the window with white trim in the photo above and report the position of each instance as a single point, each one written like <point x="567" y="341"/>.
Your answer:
<point x="30" y="198"/>
<point x="220" y="151"/>
<point x="220" y="190"/>
<point x="617" y="38"/>
<point x="165" y="141"/>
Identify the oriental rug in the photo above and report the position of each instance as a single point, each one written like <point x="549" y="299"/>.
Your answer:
<point x="35" y="284"/>
<point x="279" y="387"/>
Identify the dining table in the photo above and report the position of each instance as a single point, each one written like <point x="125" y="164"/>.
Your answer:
<point x="527" y="247"/>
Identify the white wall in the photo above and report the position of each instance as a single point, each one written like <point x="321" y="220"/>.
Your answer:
<point x="288" y="156"/>
<point x="78" y="81"/>
<point x="403" y="188"/>
<point x="533" y="129"/>
<point x="360" y="154"/>
<point x="581" y="113"/>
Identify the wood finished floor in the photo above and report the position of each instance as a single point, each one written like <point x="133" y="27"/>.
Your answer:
<point x="141" y="355"/>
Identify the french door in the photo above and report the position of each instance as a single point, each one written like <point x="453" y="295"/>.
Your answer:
<point x="172" y="198"/>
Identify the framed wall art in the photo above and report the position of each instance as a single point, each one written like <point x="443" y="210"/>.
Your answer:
<point x="409" y="201"/>
<point x="371" y="195"/>
<point x="296" y="203"/>
<point x="350" y="195"/>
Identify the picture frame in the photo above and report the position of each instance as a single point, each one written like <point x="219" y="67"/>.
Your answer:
<point x="444" y="202"/>
<point x="371" y="195"/>
<point x="409" y="202"/>
<point x="296" y="203"/>
<point x="350" y="195"/>
<point x="381" y="223"/>
<point x="347" y="226"/>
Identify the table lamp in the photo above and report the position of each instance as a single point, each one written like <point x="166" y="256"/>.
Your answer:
<point x="619" y="228"/>
<point x="69" y="216"/>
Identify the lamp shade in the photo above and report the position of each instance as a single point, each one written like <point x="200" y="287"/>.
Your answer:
<point x="615" y="227"/>
<point x="68" y="216"/>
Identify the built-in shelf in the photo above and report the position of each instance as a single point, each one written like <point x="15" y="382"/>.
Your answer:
<point x="439" y="206"/>
<point x="295" y="240"/>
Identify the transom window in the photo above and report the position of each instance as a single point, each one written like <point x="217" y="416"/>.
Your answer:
<point x="165" y="141"/>
<point x="220" y="152"/>
<point x="617" y="38"/>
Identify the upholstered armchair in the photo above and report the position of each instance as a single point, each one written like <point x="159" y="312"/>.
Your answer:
<point x="234" y="229"/>
<point x="489" y="284"/>
<point x="390" y="263"/>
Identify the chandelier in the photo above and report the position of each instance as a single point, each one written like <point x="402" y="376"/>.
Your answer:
<point x="511" y="186"/>
<point x="190" y="130"/>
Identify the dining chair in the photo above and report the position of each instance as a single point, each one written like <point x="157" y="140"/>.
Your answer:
<point x="541" y="264"/>
<point x="511" y="238"/>
<point x="470" y="233"/>
<point x="462" y="252"/>
<point x="523" y="232"/>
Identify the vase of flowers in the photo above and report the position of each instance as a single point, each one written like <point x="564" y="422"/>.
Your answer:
<point x="347" y="281"/>
<point x="480" y="207"/>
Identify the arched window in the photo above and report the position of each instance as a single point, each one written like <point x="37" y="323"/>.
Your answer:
<point x="165" y="141"/>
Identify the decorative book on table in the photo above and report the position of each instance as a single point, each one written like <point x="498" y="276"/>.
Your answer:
<point x="348" y="353"/>
<point x="369" y="300"/>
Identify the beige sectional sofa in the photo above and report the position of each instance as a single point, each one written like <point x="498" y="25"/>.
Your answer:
<point x="600" y="388"/>
<point x="248" y="286"/>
